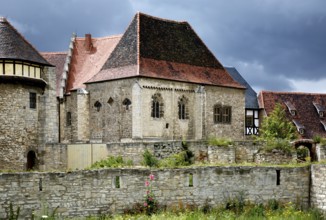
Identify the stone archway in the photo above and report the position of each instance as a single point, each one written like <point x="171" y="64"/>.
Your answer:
<point x="308" y="143"/>
<point x="31" y="160"/>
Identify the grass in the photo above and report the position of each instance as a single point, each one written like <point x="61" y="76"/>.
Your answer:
<point x="113" y="162"/>
<point x="270" y="211"/>
<point x="221" y="142"/>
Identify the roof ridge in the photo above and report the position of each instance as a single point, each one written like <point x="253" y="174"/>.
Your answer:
<point x="299" y="93"/>
<point x="100" y="38"/>
<point x="4" y="20"/>
<point x="161" y="19"/>
<point x="59" y="52"/>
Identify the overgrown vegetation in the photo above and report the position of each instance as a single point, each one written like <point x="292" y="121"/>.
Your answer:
<point x="11" y="213"/>
<point x="111" y="161"/>
<point x="277" y="126"/>
<point x="236" y="208"/>
<point x="279" y="144"/>
<point x="183" y="158"/>
<point x="222" y="142"/>
<point x="277" y="131"/>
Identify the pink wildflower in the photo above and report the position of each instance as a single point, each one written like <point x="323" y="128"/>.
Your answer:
<point x="145" y="204"/>
<point x="151" y="177"/>
<point x="146" y="183"/>
<point x="147" y="192"/>
<point x="150" y="198"/>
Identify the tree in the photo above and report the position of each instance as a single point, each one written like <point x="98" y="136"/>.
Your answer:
<point x="277" y="126"/>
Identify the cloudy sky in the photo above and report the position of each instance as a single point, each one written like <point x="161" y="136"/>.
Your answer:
<point x="276" y="45"/>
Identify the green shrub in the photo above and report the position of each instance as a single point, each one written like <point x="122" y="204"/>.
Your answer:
<point x="277" y="126"/>
<point x="316" y="139"/>
<point x="111" y="161"/>
<point x="279" y="144"/>
<point x="149" y="159"/>
<point x="323" y="142"/>
<point x="213" y="141"/>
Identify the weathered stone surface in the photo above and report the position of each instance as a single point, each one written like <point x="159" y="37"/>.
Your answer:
<point x="318" y="187"/>
<point x="84" y="193"/>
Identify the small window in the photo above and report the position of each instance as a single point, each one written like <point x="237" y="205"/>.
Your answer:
<point x="32" y="100"/>
<point x="97" y="105"/>
<point x="222" y="114"/>
<point x="126" y="103"/>
<point x="68" y="119"/>
<point x="110" y="101"/>
<point x="226" y="117"/>
<point x="217" y="114"/>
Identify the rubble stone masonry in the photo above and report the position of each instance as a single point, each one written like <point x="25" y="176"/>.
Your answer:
<point x="85" y="193"/>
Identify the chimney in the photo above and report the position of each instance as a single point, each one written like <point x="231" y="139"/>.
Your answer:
<point x="88" y="42"/>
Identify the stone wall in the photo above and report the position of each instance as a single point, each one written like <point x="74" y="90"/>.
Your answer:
<point x="275" y="157"/>
<point x="318" y="187"/>
<point x="113" y="120"/>
<point x="18" y="124"/>
<point x="80" y="156"/>
<point x="221" y="154"/>
<point x="321" y="152"/>
<point x="84" y="193"/>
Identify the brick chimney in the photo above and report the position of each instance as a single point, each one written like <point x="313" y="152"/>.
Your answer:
<point x="88" y="42"/>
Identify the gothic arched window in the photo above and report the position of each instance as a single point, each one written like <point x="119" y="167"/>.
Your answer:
<point x="157" y="106"/>
<point x="183" y="108"/>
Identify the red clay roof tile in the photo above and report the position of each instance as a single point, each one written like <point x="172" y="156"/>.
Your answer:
<point x="306" y="113"/>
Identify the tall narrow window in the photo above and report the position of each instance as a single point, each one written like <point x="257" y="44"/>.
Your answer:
<point x="157" y="106"/>
<point x="217" y="114"/>
<point x="226" y="118"/>
<point x="182" y="108"/>
<point x="68" y="119"/>
<point x="32" y="100"/>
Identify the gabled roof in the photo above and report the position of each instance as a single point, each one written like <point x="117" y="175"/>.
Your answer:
<point x="306" y="116"/>
<point x="88" y="57"/>
<point x="251" y="95"/>
<point x="164" y="49"/>
<point x="15" y="47"/>
<point x="57" y="59"/>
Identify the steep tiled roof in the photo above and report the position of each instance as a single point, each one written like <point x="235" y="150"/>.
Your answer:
<point x="306" y="116"/>
<point x="57" y="59"/>
<point x="87" y="60"/>
<point x="164" y="49"/>
<point x="251" y="95"/>
<point x="14" y="46"/>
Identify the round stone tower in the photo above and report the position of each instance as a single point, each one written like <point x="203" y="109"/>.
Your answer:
<point x="26" y="84"/>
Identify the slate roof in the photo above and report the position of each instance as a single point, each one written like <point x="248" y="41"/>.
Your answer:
<point x="15" y="47"/>
<point x="158" y="48"/>
<point x="86" y="63"/>
<point x="251" y="95"/>
<point x="57" y="59"/>
<point x="306" y="116"/>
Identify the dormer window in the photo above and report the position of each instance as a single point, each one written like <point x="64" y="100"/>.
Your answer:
<point x="300" y="127"/>
<point x="320" y="109"/>
<point x="291" y="108"/>
<point x="324" y="124"/>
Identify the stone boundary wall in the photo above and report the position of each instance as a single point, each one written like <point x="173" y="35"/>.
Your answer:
<point x="85" y="193"/>
<point x="56" y="156"/>
<point x="318" y="187"/>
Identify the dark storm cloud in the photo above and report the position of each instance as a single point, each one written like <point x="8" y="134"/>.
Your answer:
<point x="272" y="43"/>
<point x="49" y="24"/>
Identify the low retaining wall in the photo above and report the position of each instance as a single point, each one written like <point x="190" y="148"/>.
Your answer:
<point x="318" y="187"/>
<point x="85" y="193"/>
<point x="81" y="156"/>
